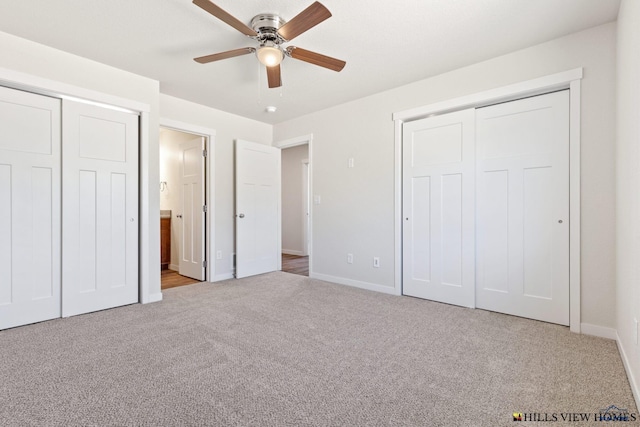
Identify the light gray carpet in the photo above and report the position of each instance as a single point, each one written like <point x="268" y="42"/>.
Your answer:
<point x="285" y="350"/>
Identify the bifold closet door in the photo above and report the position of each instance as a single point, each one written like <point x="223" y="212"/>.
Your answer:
<point x="438" y="208"/>
<point x="100" y="205"/>
<point x="29" y="208"/>
<point x="523" y="207"/>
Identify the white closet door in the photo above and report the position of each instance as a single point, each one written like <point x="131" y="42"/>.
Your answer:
<point x="523" y="208"/>
<point x="100" y="205"/>
<point x="438" y="208"/>
<point x="258" y="172"/>
<point x="29" y="208"/>
<point x="192" y="199"/>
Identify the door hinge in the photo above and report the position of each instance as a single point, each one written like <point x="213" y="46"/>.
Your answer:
<point x="204" y="264"/>
<point x="204" y="153"/>
<point x="204" y="208"/>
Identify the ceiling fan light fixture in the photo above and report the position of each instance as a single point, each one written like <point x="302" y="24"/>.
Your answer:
<point x="269" y="56"/>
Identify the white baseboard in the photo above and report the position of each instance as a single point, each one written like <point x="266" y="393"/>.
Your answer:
<point x="225" y="276"/>
<point x="632" y="381"/>
<point x="598" y="331"/>
<point x="292" y="252"/>
<point x="354" y="283"/>
<point x="154" y="298"/>
<point x="174" y="267"/>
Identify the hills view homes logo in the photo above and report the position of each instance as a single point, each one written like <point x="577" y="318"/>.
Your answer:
<point x="611" y="413"/>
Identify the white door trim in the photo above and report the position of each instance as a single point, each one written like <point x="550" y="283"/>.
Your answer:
<point x="149" y="265"/>
<point x="43" y="86"/>
<point x="294" y="142"/>
<point x="306" y="206"/>
<point x="564" y="80"/>
<point x="210" y="216"/>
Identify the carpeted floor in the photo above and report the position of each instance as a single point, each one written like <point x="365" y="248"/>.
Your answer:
<point x="285" y="350"/>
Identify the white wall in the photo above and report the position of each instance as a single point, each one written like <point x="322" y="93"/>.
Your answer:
<point x="171" y="197"/>
<point x="20" y="56"/>
<point x="357" y="210"/>
<point x="292" y="189"/>
<point x="228" y="127"/>
<point x="628" y="186"/>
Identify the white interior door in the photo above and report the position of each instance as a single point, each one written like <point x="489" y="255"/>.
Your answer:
<point x="100" y="205"/>
<point x="29" y="208"/>
<point x="438" y="208"/>
<point x="523" y="208"/>
<point x="192" y="253"/>
<point x="257" y="208"/>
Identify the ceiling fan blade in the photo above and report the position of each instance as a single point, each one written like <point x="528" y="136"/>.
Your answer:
<point x="224" y="55"/>
<point x="224" y="16"/>
<point x="316" y="58"/>
<point x="308" y="18"/>
<point x="274" y="77"/>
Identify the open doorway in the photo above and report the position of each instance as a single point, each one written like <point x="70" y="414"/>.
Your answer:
<point x="296" y="210"/>
<point x="182" y="208"/>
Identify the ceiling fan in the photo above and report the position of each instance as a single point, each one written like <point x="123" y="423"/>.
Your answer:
<point x="271" y="32"/>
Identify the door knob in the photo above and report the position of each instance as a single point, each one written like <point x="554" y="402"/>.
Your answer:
<point x="241" y="215"/>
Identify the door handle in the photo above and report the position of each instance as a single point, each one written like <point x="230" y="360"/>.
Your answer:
<point x="241" y="216"/>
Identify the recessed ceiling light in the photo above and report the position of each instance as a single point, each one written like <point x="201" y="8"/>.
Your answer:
<point x="271" y="109"/>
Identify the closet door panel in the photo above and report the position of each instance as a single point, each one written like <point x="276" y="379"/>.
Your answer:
<point x="438" y="205"/>
<point x="523" y="207"/>
<point x="29" y="208"/>
<point x="100" y="201"/>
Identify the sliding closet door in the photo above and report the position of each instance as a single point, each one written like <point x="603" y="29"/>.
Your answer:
<point x="29" y="208"/>
<point x="100" y="205"/>
<point x="523" y="207"/>
<point x="438" y="208"/>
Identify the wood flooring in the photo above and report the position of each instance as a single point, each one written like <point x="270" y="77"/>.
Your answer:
<point x="290" y="264"/>
<point x="295" y="264"/>
<point x="171" y="279"/>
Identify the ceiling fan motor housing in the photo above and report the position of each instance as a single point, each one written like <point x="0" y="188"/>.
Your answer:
<point x="267" y="25"/>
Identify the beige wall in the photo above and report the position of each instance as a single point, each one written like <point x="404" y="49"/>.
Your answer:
<point x="628" y="187"/>
<point x="292" y="191"/>
<point x="357" y="210"/>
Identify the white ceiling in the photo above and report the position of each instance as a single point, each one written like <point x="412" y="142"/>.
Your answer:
<point x="386" y="44"/>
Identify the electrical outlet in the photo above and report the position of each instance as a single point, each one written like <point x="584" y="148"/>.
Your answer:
<point x="219" y="255"/>
<point x="376" y="262"/>
<point x="351" y="162"/>
<point x="349" y="258"/>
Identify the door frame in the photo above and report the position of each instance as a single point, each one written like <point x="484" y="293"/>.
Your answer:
<point x="564" y="80"/>
<point x="209" y="194"/>
<point x="294" y="142"/>
<point x="306" y="206"/>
